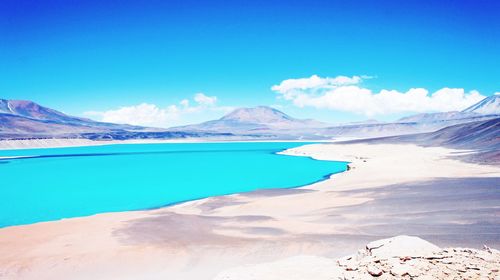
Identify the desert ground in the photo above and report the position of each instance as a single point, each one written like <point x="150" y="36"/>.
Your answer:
<point x="390" y="189"/>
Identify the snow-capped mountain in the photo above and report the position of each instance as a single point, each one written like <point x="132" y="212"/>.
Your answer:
<point x="488" y="106"/>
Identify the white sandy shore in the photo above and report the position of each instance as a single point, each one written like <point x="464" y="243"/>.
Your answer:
<point x="59" y="143"/>
<point x="198" y="239"/>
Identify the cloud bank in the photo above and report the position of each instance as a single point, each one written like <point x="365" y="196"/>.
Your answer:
<point x="346" y="94"/>
<point x="146" y="114"/>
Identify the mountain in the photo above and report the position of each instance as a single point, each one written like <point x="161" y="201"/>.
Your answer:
<point x="374" y="130"/>
<point x="262" y="121"/>
<point x="419" y="123"/>
<point x="260" y="114"/>
<point x="485" y="109"/>
<point x="488" y="106"/>
<point x="437" y="117"/>
<point x="31" y="110"/>
<point x="272" y="123"/>
<point x="482" y="137"/>
<point x="20" y="117"/>
<point x="26" y="119"/>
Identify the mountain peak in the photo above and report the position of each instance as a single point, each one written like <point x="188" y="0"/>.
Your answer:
<point x="488" y="106"/>
<point x="30" y="109"/>
<point x="259" y="114"/>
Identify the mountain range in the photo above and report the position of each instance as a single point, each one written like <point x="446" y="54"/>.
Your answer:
<point x="482" y="137"/>
<point x="269" y="122"/>
<point x="488" y="106"/>
<point x="262" y="121"/>
<point x="21" y="119"/>
<point x="26" y="119"/>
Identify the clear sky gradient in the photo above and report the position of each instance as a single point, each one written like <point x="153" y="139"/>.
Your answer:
<point x="80" y="56"/>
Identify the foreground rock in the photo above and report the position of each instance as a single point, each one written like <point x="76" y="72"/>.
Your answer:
<point x="401" y="257"/>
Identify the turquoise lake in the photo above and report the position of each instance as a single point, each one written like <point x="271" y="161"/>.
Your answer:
<point x="56" y="183"/>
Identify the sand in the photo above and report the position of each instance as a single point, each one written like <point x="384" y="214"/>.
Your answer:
<point x="390" y="190"/>
<point x="61" y="143"/>
<point x="64" y="142"/>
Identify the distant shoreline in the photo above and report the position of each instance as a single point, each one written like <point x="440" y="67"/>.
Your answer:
<point x="63" y="142"/>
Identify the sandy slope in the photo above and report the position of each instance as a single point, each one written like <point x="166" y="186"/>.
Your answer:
<point x="391" y="190"/>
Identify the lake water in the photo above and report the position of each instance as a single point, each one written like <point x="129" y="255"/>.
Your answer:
<point x="57" y="183"/>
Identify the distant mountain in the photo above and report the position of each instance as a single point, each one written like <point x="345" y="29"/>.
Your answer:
<point x="31" y="110"/>
<point x="272" y="123"/>
<point x="488" y="106"/>
<point x="374" y="130"/>
<point x="483" y="137"/>
<point x="437" y="117"/>
<point x="485" y="109"/>
<point x="20" y="117"/>
<point x="472" y="135"/>
<point x="369" y="121"/>
<point x="26" y="119"/>
<point x="419" y="123"/>
<point x="260" y="115"/>
<point x="261" y="120"/>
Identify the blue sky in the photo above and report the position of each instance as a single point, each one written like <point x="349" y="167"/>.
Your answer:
<point x="99" y="56"/>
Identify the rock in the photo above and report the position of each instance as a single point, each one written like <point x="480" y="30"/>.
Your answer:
<point x="487" y="249"/>
<point x="343" y="261"/>
<point x="435" y="257"/>
<point x="401" y="257"/>
<point x="402" y="246"/>
<point x="446" y="261"/>
<point x="376" y="244"/>
<point x="374" y="270"/>
<point x="400" y="270"/>
<point x="347" y="263"/>
<point x="361" y="254"/>
<point x="426" y="277"/>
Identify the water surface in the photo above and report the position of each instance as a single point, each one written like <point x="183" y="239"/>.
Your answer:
<point x="50" y="184"/>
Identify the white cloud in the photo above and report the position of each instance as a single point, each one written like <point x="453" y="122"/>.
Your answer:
<point x="202" y="99"/>
<point x="316" y="82"/>
<point x="143" y="114"/>
<point x="345" y="94"/>
<point x="185" y="102"/>
<point x="152" y="115"/>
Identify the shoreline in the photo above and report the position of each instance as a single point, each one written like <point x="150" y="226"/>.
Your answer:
<point x="330" y="218"/>
<point x="75" y="142"/>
